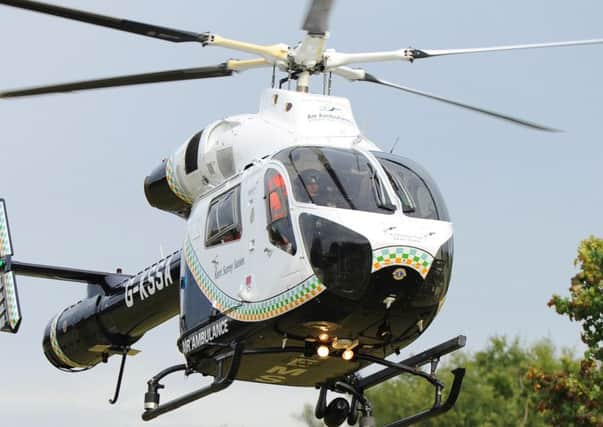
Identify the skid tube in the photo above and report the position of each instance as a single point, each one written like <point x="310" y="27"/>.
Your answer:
<point x="353" y="384"/>
<point x="221" y="381"/>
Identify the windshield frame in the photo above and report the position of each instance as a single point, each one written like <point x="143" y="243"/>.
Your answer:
<point x="441" y="209"/>
<point x="337" y="181"/>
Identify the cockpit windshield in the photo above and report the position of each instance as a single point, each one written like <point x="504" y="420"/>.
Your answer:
<point x="335" y="178"/>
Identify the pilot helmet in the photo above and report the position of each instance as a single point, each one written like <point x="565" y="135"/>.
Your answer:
<point x="310" y="176"/>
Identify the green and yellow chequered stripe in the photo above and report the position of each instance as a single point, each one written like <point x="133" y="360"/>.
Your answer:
<point x="250" y="311"/>
<point x="173" y="183"/>
<point x="406" y="256"/>
<point x="5" y="248"/>
<point x="7" y="287"/>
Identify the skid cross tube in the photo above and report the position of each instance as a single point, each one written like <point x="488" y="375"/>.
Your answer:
<point x="400" y="368"/>
<point x="417" y="360"/>
<point x="220" y="383"/>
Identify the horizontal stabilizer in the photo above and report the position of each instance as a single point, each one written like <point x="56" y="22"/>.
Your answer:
<point x="10" y="312"/>
<point x="107" y="281"/>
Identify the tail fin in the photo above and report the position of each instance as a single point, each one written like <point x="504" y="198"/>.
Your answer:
<point x="10" y="311"/>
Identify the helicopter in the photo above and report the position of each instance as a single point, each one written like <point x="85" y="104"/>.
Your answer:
<point x="184" y="184"/>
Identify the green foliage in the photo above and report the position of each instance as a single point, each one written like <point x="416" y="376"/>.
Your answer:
<point x="573" y="395"/>
<point x="307" y="416"/>
<point x="585" y="303"/>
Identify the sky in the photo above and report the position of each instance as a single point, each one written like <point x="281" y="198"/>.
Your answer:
<point x="72" y="171"/>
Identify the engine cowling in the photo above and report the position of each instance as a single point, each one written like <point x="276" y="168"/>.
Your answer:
<point x="226" y="147"/>
<point x="203" y="162"/>
<point x="160" y="193"/>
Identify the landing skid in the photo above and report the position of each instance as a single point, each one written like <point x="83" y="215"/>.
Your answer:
<point x="339" y="410"/>
<point x="361" y="411"/>
<point x="221" y="381"/>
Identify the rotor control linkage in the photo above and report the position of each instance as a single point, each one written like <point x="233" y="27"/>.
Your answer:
<point x="221" y="381"/>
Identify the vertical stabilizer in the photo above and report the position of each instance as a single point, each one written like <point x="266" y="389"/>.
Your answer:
<point x="10" y="312"/>
<point x="6" y="247"/>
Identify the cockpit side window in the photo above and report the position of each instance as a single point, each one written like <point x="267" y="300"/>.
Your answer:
<point x="336" y="178"/>
<point x="417" y="201"/>
<point x="223" y="218"/>
<point x="280" y="227"/>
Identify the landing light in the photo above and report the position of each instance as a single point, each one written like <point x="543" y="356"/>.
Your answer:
<point x="323" y="351"/>
<point x="347" y="355"/>
<point x="323" y="337"/>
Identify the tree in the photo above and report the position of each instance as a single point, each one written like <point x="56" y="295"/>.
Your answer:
<point x="307" y="416"/>
<point x="573" y="395"/>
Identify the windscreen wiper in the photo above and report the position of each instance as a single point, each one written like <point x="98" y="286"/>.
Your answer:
<point x="378" y="191"/>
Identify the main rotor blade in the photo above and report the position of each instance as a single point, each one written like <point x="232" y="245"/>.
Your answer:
<point x="317" y="18"/>
<point x="155" y="31"/>
<point x="428" y="53"/>
<point x="336" y="60"/>
<point x="356" y="74"/>
<point x="521" y="122"/>
<point x="221" y="70"/>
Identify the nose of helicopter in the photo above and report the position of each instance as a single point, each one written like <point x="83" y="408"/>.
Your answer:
<point x="345" y="262"/>
<point x="341" y="258"/>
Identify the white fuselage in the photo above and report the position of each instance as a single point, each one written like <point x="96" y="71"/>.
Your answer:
<point x="237" y="152"/>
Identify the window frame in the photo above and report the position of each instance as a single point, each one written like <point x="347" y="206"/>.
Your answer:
<point x="416" y="207"/>
<point x="236" y="226"/>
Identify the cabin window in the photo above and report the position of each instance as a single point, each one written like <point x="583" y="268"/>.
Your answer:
<point x="412" y="191"/>
<point x="223" y="219"/>
<point x="280" y="228"/>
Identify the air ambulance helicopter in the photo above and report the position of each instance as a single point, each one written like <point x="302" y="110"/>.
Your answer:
<point x="309" y="252"/>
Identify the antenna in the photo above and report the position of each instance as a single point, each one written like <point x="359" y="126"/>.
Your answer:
<point x="394" y="146"/>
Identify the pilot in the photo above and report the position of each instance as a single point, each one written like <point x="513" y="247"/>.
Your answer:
<point x="313" y="188"/>
<point x="318" y="190"/>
